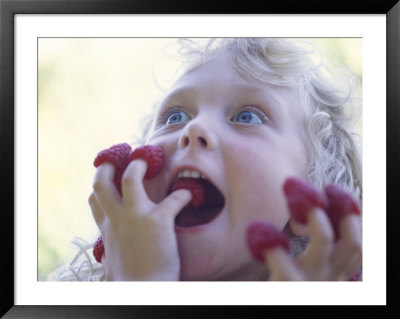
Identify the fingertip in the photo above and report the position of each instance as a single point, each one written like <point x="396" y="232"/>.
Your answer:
<point x="136" y="167"/>
<point x="175" y="201"/>
<point x="105" y="170"/>
<point x="350" y="228"/>
<point x="183" y="195"/>
<point x="103" y="183"/>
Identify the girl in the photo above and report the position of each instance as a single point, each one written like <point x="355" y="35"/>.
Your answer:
<point x="246" y="114"/>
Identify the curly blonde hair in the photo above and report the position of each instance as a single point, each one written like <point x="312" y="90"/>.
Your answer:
<point x="330" y="95"/>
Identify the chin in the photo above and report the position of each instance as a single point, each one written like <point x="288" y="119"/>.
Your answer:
<point x="195" y="265"/>
<point x="195" y="274"/>
<point x="200" y="268"/>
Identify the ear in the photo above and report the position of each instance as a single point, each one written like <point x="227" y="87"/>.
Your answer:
<point x="298" y="229"/>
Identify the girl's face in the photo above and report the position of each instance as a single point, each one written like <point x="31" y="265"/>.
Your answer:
<point x="246" y="138"/>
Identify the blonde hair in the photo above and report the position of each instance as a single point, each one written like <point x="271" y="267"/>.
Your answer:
<point x="327" y="94"/>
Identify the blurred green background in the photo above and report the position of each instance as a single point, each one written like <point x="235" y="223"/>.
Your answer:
<point x="93" y="93"/>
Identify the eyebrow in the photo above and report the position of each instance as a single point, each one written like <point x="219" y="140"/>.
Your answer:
<point x="177" y="92"/>
<point x="269" y="99"/>
<point x="240" y="87"/>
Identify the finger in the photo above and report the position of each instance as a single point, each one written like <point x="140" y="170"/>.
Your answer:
<point x="316" y="259"/>
<point x="282" y="266"/>
<point x="132" y="185"/>
<point x="347" y="257"/>
<point x="96" y="209"/>
<point x="104" y="189"/>
<point x="105" y="267"/>
<point x="173" y="203"/>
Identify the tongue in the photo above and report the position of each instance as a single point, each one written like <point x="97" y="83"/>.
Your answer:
<point x="206" y="202"/>
<point x="190" y="217"/>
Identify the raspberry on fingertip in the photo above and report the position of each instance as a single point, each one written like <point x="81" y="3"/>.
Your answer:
<point x="153" y="155"/>
<point x="302" y="197"/>
<point x="341" y="204"/>
<point x="263" y="235"/>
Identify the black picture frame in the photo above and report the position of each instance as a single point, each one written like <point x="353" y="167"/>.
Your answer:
<point x="8" y="10"/>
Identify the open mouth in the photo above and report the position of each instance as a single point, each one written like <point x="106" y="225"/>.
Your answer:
<point x="212" y="206"/>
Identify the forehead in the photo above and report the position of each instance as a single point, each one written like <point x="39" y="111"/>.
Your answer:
<point x="218" y="83"/>
<point x="219" y="79"/>
<point x="217" y="70"/>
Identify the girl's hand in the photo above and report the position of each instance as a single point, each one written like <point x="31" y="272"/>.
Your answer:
<point x="331" y="218"/>
<point x="325" y="259"/>
<point x="138" y="235"/>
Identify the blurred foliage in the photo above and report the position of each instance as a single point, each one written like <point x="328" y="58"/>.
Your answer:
<point x="49" y="257"/>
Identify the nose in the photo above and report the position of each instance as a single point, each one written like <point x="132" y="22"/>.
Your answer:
<point x="196" y="134"/>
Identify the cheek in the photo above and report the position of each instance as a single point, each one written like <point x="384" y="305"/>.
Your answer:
<point x="154" y="192"/>
<point x="255" y="181"/>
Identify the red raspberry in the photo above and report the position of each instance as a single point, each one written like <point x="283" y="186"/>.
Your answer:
<point x="302" y="197"/>
<point x="262" y="235"/>
<point x="195" y="186"/>
<point x="356" y="277"/>
<point x="118" y="155"/>
<point x="341" y="204"/>
<point x="98" y="249"/>
<point x="154" y="157"/>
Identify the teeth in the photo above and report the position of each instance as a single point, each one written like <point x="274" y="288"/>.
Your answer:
<point x="190" y="173"/>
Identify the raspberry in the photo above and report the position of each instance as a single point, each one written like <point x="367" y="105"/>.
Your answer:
<point x="154" y="157"/>
<point x="262" y="235"/>
<point x="98" y="249"/>
<point x="302" y="197"/>
<point x="356" y="277"/>
<point x="340" y="205"/>
<point x="196" y="187"/>
<point x="118" y="155"/>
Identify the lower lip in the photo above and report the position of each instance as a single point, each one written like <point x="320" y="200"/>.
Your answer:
<point x="197" y="228"/>
<point x="194" y="229"/>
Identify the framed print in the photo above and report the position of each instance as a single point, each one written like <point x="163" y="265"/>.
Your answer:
<point x="64" y="63"/>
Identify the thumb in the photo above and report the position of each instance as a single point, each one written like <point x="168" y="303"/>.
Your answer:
<point x="173" y="203"/>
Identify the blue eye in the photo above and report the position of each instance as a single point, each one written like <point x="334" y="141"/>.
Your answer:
<point x="177" y="117"/>
<point x="247" y="117"/>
